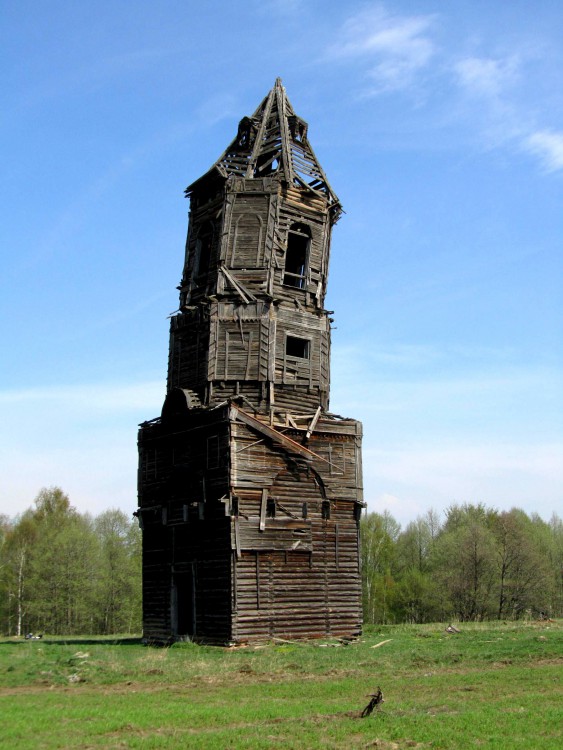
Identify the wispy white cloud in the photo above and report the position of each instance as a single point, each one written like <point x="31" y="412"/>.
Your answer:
<point x="486" y="76"/>
<point x="493" y="94"/>
<point x="395" y="47"/>
<point x="485" y="96"/>
<point x="547" y="145"/>
<point x="505" y="121"/>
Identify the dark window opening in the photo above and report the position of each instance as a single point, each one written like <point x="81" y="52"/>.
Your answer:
<point x="213" y="454"/>
<point x="246" y="133"/>
<point x="297" y="128"/>
<point x="325" y="509"/>
<point x="234" y="506"/>
<point x="304" y="510"/>
<point x="266" y="164"/>
<point x="271" y="508"/>
<point x="204" y="247"/>
<point x="298" y="241"/>
<point x="295" y="347"/>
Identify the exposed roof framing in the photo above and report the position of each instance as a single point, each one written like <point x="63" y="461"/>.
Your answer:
<point x="274" y="141"/>
<point x="286" y="442"/>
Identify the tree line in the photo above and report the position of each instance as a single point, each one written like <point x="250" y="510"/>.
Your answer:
<point x="62" y="572"/>
<point x="475" y="564"/>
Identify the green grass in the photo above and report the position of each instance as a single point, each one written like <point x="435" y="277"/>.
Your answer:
<point x="490" y="686"/>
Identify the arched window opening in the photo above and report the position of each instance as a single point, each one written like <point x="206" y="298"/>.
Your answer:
<point x="297" y="255"/>
<point x="247" y="241"/>
<point x="203" y="249"/>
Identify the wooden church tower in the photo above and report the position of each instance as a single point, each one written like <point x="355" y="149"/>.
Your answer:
<point x="250" y="490"/>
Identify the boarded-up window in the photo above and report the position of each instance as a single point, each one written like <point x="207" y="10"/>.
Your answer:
<point x="247" y="248"/>
<point x="337" y="458"/>
<point x="203" y="249"/>
<point x="239" y="352"/>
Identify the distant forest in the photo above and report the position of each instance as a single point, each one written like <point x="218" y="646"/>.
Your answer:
<point x="475" y="564"/>
<point x="63" y="572"/>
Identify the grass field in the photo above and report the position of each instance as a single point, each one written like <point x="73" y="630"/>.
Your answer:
<point x="490" y="686"/>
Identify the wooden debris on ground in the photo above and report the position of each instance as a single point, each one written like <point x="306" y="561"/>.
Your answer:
<point x="376" y="700"/>
<point x="381" y="643"/>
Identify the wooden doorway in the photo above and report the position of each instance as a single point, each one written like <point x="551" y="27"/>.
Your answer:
<point x="183" y="602"/>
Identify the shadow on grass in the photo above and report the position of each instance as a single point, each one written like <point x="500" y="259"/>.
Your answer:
<point x="77" y="641"/>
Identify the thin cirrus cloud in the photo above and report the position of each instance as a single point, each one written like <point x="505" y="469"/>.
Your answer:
<point x="396" y="46"/>
<point x="486" y="76"/>
<point x="396" y="51"/>
<point x="490" y="80"/>
<point x="547" y="145"/>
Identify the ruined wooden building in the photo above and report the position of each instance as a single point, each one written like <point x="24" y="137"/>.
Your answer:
<point x="250" y="490"/>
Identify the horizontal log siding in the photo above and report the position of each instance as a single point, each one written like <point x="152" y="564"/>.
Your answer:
<point x="301" y="594"/>
<point x="282" y="590"/>
<point x="298" y="399"/>
<point x="189" y="346"/>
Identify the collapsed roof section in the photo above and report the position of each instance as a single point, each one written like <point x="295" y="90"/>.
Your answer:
<point x="273" y="141"/>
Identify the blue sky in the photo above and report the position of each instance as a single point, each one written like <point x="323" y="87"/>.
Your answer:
<point x="440" y="127"/>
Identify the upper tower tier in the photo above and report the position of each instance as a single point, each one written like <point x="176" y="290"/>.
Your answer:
<point x="251" y="318"/>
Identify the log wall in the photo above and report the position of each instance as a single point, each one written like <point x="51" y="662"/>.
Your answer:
<point x="257" y="532"/>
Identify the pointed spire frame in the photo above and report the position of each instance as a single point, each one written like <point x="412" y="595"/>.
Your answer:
<point x="274" y="141"/>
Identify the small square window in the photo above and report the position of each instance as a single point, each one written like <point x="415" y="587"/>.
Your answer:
<point x="296" y="347"/>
